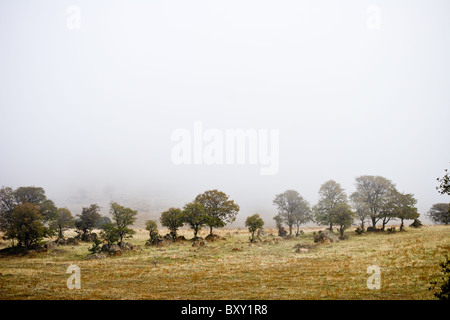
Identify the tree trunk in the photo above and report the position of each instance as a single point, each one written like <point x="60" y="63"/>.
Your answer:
<point x="374" y="223"/>
<point x="210" y="230"/>
<point x="290" y="229"/>
<point x="195" y="232"/>
<point x="401" y="225"/>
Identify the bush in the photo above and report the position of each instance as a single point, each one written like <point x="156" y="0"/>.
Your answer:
<point x="109" y="233"/>
<point x="416" y="224"/>
<point x="443" y="286"/>
<point x="359" y="230"/>
<point x="153" y="233"/>
<point x="95" y="246"/>
<point x="391" y="230"/>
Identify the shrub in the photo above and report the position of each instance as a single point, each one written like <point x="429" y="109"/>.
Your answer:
<point x="416" y="224"/>
<point x="153" y="233"/>
<point x="109" y="233"/>
<point x="254" y="223"/>
<point x="95" y="246"/>
<point x="391" y="230"/>
<point x="443" y="284"/>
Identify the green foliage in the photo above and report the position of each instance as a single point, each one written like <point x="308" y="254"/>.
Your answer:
<point x="34" y="195"/>
<point x="416" y="223"/>
<point x="87" y="221"/>
<point x="64" y="221"/>
<point x="343" y="217"/>
<point x="374" y="192"/>
<point x="7" y="204"/>
<point x="26" y="225"/>
<point x="440" y="213"/>
<point x="442" y="285"/>
<point x="444" y="187"/>
<point x="254" y="223"/>
<point x="331" y="194"/>
<point x="194" y="214"/>
<point x="172" y="219"/>
<point x="102" y="221"/>
<point x="109" y="233"/>
<point x="292" y="209"/>
<point x="220" y="209"/>
<point x="16" y="205"/>
<point x="95" y="248"/>
<point x="279" y="223"/>
<point x="152" y="229"/>
<point x="123" y="218"/>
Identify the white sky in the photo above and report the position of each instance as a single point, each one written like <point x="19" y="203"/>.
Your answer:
<point x="91" y="110"/>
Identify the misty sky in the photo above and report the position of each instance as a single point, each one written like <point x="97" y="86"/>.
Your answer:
<point x="88" y="113"/>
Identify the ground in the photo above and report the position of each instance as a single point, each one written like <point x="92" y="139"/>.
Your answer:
<point x="236" y="269"/>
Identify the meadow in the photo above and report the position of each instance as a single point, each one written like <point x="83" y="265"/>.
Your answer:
<point x="234" y="268"/>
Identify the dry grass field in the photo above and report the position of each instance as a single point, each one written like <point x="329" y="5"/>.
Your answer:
<point x="235" y="269"/>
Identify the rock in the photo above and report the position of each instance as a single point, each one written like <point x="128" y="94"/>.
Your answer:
<point x="114" y="248"/>
<point x="95" y="256"/>
<point x="179" y="239"/>
<point x="213" y="237"/>
<point x="168" y="237"/>
<point x="72" y="241"/>
<point x="126" y="246"/>
<point x="325" y="237"/>
<point x="199" y="243"/>
<point x="50" y="245"/>
<point x="304" y="247"/>
<point x="261" y="233"/>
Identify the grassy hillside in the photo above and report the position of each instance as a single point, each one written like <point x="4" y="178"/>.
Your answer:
<point x="235" y="269"/>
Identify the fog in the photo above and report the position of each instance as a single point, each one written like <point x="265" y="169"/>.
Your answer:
<point x="91" y="93"/>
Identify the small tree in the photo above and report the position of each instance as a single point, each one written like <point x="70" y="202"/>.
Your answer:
<point x="122" y="218"/>
<point x="292" y="208"/>
<point x="220" y="209"/>
<point x="86" y="221"/>
<point x="195" y="215"/>
<point x="172" y="219"/>
<point x="405" y="208"/>
<point x="330" y="195"/>
<point x="254" y="223"/>
<point x="440" y="213"/>
<point x="64" y="221"/>
<point x="152" y="229"/>
<point x="362" y="209"/>
<point x="26" y="225"/>
<point x="279" y="223"/>
<point x="343" y="217"/>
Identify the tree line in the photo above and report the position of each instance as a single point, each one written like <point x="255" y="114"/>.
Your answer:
<point x="376" y="200"/>
<point x="27" y="216"/>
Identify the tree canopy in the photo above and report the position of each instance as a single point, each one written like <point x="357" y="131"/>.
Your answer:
<point x="220" y="209"/>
